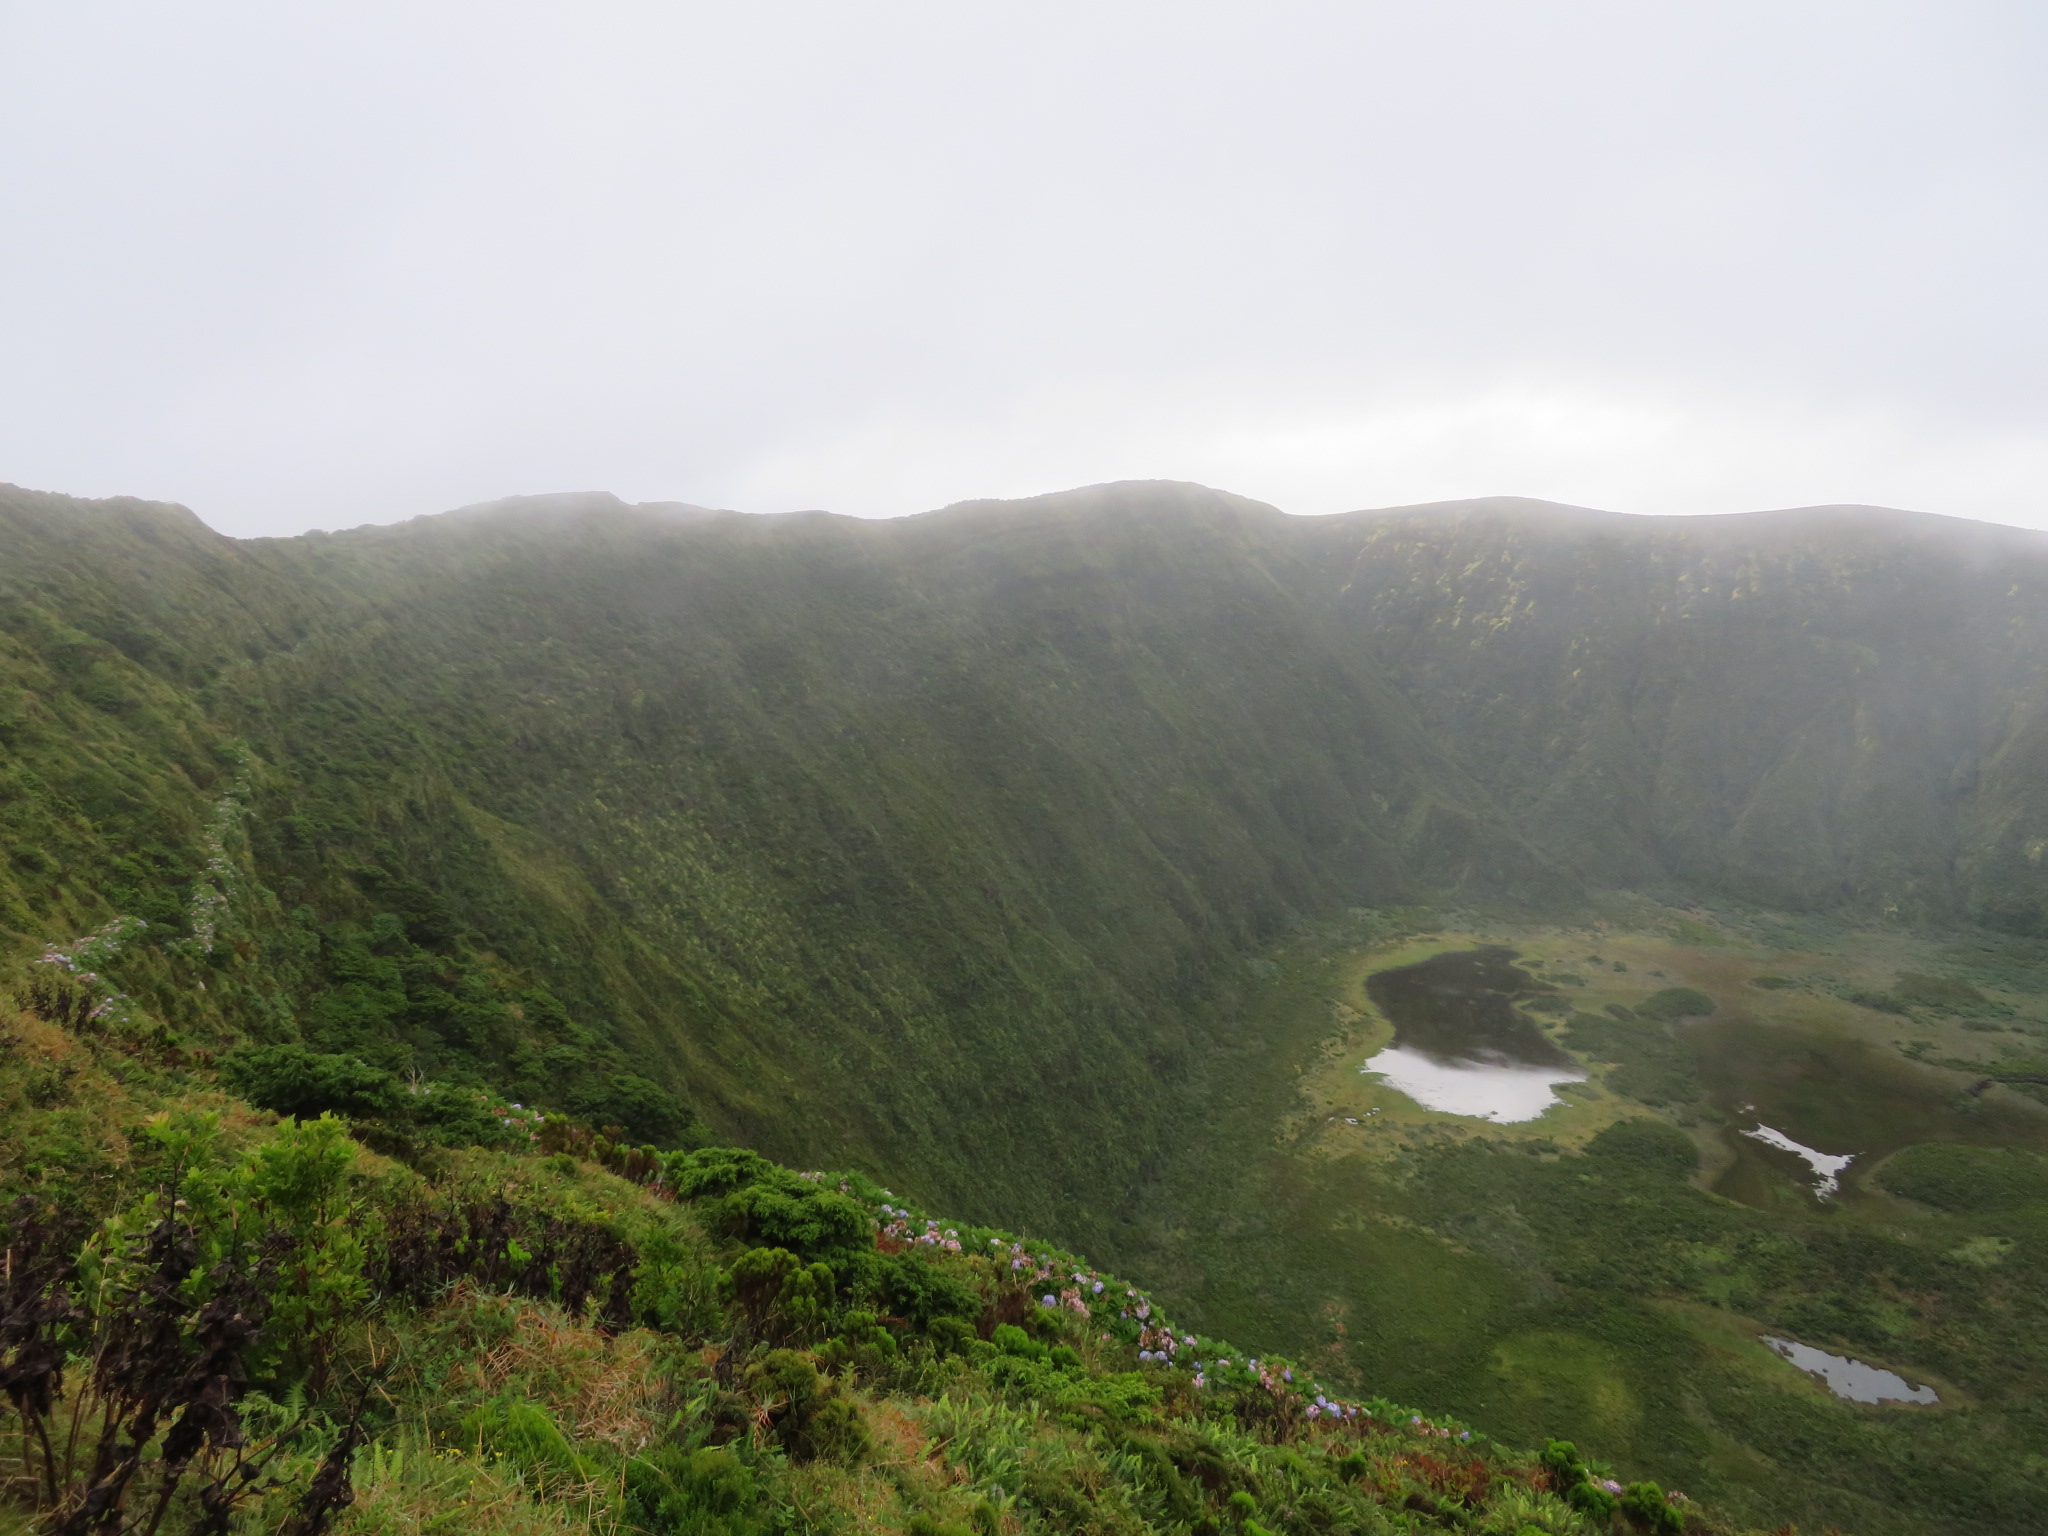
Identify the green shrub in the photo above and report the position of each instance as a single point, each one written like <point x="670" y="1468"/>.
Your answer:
<point x="644" y="1109"/>
<point x="674" y="1492"/>
<point x="1514" y="1511"/>
<point x="299" y="1186"/>
<point x="453" y="1117"/>
<point x="1957" y="1178"/>
<point x="715" y="1171"/>
<point x="522" y="1432"/>
<point x="1675" y="1003"/>
<point x="1591" y="1499"/>
<point x="758" y="1202"/>
<point x="1012" y="1340"/>
<point x="292" y="1080"/>
<point x="863" y="1345"/>
<point x="1648" y="1509"/>
<point x="1938" y="991"/>
<point x="836" y="1431"/>
<point x="1573" y="1480"/>
<point x="1560" y="1458"/>
<point x="925" y="1294"/>
<point x="780" y="1296"/>
<point x="812" y="1420"/>
<point x="755" y="1281"/>
<point x="1648" y="1144"/>
<point x="786" y="1381"/>
<point x="789" y="1212"/>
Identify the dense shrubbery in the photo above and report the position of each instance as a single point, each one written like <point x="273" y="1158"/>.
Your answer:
<point x="1955" y="1178"/>
<point x="1647" y="1144"/>
<point x="271" y="1328"/>
<point x="292" y="1080"/>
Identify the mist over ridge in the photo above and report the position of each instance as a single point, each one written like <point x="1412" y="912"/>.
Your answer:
<point x="1046" y="766"/>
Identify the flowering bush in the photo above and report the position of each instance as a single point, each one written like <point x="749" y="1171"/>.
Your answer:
<point x="89" y="1001"/>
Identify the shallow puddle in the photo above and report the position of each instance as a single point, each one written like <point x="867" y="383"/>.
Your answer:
<point x="1827" y="1170"/>
<point x="1852" y="1379"/>
<point x="1461" y="1047"/>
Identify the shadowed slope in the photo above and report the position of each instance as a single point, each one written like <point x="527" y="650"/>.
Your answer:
<point x="1826" y="705"/>
<point x="871" y="837"/>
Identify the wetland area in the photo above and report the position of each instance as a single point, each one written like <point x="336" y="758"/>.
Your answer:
<point x="1758" y="1202"/>
<point x="1460" y="1045"/>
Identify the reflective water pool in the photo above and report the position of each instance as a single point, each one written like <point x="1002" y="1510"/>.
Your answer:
<point x="1468" y="1086"/>
<point x="1461" y="1046"/>
<point x="1852" y="1379"/>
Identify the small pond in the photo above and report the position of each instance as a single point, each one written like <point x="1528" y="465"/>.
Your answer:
<point x="1828" y="1094"/>
<point x="1461" y="1046"/>
<point x="1852" y="1379"/>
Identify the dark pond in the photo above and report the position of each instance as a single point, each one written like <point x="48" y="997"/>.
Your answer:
<point x="1460" y="1045"/>
<point x="1462" y="1006"/>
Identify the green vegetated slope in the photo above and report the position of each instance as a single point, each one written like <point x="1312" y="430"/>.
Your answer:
<point x="935" y="847"/>
<point x="1811" y="708"/>
<point x="865" y="838"/>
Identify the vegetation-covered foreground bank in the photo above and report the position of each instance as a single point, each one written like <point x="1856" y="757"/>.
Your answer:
<point x="214" y="1320"/>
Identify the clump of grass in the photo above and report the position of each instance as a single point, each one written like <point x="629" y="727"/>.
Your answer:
<point x="407" y="1485"/>
<point x="609" y="1387"/>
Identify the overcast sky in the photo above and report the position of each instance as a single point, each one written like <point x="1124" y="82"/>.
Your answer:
<point x="313" y="265"/>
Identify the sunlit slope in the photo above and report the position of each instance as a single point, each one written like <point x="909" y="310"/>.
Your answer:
<point x="919" y="842"/>
<point x="1815" y="707"/>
